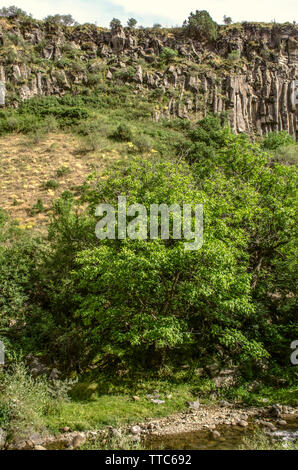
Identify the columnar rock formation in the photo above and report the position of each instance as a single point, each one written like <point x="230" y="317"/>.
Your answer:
<point x="249" y="72"/>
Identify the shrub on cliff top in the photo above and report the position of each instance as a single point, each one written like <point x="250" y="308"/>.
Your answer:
<point x="66" y="20"/>
<point x="13" y="12"/>
<point x="200" y="24"/>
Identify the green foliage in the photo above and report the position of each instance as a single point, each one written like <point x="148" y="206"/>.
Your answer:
<point x="37" y="208"/>
<point x="143" y="143"/>
<point x="51" y="184"/>
<point x="274" y="140"/>
<point x="115" y="23"/>
<point x="13" y="12"/>
<point x="131" y="23"/>
<point x="167" y="54"/>
<point x="25" y="401"/>
<point x="227" y="20"/>
<point x="262" y="196"/>
<point x="63" y="171"/>
<point x="123" y="133"/>
<point x="66" y="20"/>
<point x="234" y="56"/>
<point x="18" y="258"/>
<point x="200" y="24"/>
<point x="149" y="303"/>
<point x="158" y="309"/>
<point x="287" y="154"/>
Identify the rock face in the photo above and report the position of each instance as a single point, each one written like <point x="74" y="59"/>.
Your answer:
<point x="249" y="73"/>
<point x="3" y="437"/>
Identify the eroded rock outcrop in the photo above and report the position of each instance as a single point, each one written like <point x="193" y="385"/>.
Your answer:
<point x="249" y="72"/>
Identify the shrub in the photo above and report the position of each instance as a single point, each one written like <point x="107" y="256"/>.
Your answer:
<point x="168" y="54"/>
<point x="12" y="12"/>
<point x="143" y="143"/>
<point x="200" y="24"/>
<point x="18" y="258"/>
<point x="37" y="208"/>
<point x="267" y="218"/>
<point x="66" y="20"/>
<point x="131" y="23"/>
<point x="227" y="20"/>
<point x="274" y="140"/>
<point x="25" y="401"/>
<point x="63" y="171"/>
<point x="115" y="23"/>
<point x="91" y="142"/>
<point x="234" y="56"/>
<point x="123" y="133"/>
<point x="51" y="184"/>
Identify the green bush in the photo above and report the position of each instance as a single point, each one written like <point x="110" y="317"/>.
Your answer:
<point x="234" y="56"/>
<point x="25" y="401"/>
<point x="18" y="258"/>
<point x="200" y="24"/>
<point x="123" y="133"/>
<point x="143" y="143"/>
<point x="13" y="12"/>
<point x="167" y="54"/>
<point x="274" y="140"/>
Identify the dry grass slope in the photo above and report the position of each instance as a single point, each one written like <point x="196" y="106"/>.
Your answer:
<point x="32" y="171"/>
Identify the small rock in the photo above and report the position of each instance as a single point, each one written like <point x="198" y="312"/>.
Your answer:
<point x="281" y="422"/>
<point x="135" y="430"/>
<point x="242" y="423"/>
<point x="78" y="441"/>
<point x="135" y="398"/>
<point x="268" y="425"/>
<point x="275" y="411"/>
<point x="36" y="439"/>
<point x="169" y="396"/>
<point x="194" y="404"/>
<point x="135" y="439"/>
<point x="65" y="429"/>
<point x="215" y="434"/>
<point x="199" y="372"/>
<point x="116" y="433"/>
<point x="39" y="448"/>
<point x="54" y="375"/>
<point x="157" y="402"/>
<point x="3" y="436"/>
<point x="224" y="403"/>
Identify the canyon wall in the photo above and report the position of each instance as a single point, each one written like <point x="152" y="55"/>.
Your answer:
<point x="249" y="72"/>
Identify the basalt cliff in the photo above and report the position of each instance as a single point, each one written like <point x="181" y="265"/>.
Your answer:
<point x="249" y="72"/>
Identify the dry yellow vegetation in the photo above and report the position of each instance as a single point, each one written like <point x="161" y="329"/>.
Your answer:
<point x="25" y="168"/>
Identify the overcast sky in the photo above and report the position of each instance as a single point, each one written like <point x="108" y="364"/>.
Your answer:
<point x="166" y="12"/>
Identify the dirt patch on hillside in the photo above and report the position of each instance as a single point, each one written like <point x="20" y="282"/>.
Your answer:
<point x="32" y="175"/>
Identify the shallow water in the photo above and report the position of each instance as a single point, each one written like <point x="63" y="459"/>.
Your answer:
<point x="231" y="438"/>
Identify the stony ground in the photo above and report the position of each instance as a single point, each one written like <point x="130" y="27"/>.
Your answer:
<point x="198" y="417"/>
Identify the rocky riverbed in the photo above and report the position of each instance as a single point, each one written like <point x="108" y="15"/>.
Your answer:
<point x="199" y="417"/>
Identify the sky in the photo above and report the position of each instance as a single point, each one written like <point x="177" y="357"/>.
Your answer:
<point x="165" y="12"/>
